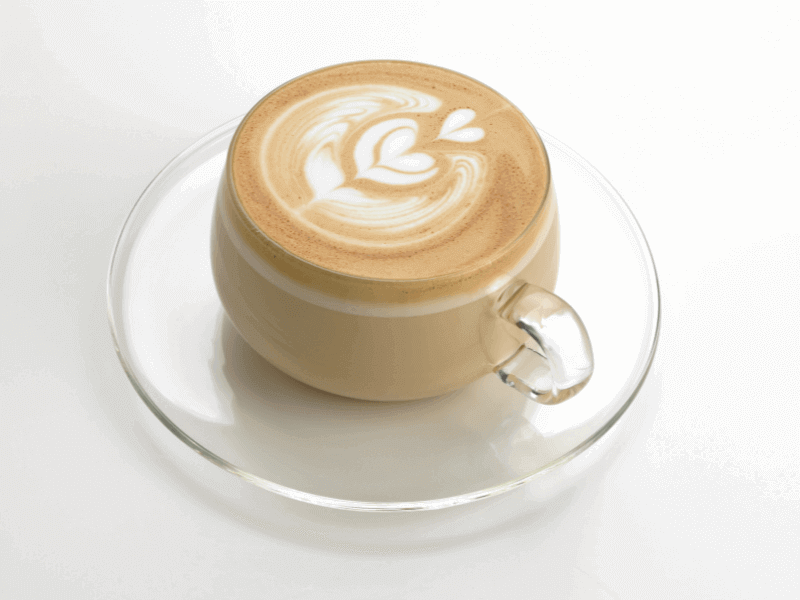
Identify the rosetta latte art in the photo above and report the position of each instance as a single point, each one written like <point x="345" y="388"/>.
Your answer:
<point x="370" y="179"/>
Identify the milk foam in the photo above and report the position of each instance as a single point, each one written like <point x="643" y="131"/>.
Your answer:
<point x="389" y="170"/>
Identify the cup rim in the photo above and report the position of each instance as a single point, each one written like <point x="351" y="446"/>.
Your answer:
<point x="260" y="233"/>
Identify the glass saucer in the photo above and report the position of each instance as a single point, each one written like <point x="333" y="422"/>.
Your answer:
<point x="215" y="394"/>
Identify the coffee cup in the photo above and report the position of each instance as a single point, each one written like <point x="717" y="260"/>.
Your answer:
<point x="388" y="230"/>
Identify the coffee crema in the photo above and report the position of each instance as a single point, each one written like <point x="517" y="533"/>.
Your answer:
<point x="389" y="171"/>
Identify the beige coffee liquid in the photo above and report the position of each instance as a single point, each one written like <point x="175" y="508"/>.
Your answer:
<point x="389" y="171"/>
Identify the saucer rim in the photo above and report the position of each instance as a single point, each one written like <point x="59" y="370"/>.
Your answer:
<point x="229" y="128"/>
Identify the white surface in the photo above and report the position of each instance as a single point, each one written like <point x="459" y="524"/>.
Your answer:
<point x="689" y="109"/>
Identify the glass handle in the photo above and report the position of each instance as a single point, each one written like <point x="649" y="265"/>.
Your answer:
<point x="561" y="363"/>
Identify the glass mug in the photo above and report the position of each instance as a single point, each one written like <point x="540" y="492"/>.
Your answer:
<point x="380" y="339"/>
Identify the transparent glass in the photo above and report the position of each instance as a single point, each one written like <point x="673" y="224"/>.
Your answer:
<point x="561" y="361"/>
<point x="212" y="391"/>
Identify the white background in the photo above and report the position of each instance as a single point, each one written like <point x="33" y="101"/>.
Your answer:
<point x="689" y="108"/>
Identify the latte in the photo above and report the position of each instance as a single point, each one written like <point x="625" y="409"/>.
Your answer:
<point x="375" y="225"/>
<point x="391" y="172"/>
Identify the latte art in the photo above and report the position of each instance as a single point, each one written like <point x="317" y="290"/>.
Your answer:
<point x="389" y="170"/>
<point x="363" y="127"/>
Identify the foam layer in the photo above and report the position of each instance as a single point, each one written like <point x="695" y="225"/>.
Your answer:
<point x="389" y="171"/>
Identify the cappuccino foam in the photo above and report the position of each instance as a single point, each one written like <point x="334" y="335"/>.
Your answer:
<point x="390" y="171"/>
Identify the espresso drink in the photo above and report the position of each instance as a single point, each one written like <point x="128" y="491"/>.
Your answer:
<point x="370" y="219"/>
